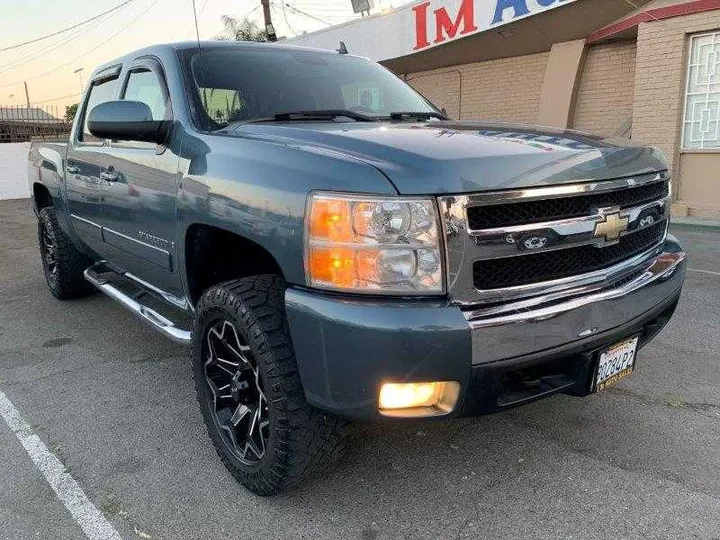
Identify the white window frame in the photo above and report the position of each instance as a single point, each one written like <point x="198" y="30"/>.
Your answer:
<point x="689" y="121"/>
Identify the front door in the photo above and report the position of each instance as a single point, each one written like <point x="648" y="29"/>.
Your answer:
<point x="140" y="182"/>
<point x="84" y="167"/>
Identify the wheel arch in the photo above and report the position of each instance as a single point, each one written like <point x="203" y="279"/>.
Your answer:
<point x="213" y="255"/>
<point x="41" y="197"/>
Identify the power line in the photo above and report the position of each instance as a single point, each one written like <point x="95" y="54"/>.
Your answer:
<point x="199" y="16"/>
<point x="287" y="22"/>
<point x="327" y="9"/>
<point x="93" y="49"/>
<point x="56" y="99"/>
<point x="202" y="8"/>
<point x="296" y="10"/>
<point x="18" y="45"/>
<point x="52" y="47"/>
<point x="253" y="10"/>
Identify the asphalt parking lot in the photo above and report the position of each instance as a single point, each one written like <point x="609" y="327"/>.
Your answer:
<point x="114" y="402"/>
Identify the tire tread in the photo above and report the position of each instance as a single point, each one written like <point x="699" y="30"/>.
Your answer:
<point x="70" y="282"/>
<point x="308" y="441"/>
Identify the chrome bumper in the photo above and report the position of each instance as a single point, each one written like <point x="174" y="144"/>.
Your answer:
<point x="535" y="325"/>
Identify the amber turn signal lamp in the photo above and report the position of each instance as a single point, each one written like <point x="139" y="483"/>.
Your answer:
<point x="330" y="220"/>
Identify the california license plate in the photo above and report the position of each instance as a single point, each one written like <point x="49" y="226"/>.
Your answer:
<point x="615" y="363"/>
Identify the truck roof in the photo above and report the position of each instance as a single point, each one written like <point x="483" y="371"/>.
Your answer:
<point x="164" y="48"/>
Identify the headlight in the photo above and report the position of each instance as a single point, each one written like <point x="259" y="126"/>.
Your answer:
<point x="373" y="245"/>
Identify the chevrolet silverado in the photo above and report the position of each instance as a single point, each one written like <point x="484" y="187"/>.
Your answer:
<point x="335" y="248"/>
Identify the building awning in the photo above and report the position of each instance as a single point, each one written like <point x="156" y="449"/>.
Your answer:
<point x="434" y="34"/>
<point x="627" y="27"/>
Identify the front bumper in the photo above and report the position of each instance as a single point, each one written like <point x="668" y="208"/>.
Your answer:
<point x="346" y="347"/>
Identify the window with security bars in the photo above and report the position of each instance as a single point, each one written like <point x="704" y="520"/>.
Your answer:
<point x="701" y="127"/>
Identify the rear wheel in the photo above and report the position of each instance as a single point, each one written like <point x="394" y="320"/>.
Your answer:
<point x="249" y="389"/>
<point x="62" y="262"/>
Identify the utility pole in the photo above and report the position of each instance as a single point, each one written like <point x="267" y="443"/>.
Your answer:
<point x="269" y="28"/>
<point x="27" y="95"/>
<point x="79" y="71"/>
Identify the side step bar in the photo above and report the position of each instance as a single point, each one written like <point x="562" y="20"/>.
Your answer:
<point x="149" y="315"/>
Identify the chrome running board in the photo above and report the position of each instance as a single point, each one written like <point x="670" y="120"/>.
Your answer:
<point x="149" y="315"/>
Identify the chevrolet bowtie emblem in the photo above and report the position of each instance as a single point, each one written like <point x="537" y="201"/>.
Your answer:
<point x="611" y="226"/>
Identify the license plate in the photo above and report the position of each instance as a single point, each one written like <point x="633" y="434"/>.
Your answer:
<point x="615" y="363"/>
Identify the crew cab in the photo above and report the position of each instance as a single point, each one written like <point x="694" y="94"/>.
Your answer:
<point x="335" y="248"/>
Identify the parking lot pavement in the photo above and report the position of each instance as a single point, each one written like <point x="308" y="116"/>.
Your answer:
<point x="115" y="403"/>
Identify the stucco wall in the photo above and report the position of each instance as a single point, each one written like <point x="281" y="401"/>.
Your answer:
<point x="607" y="87"/>
<point x="13" y="170"/>
<point x="505" y="90"/>
<point x="659" y="98"/>
<point x="700" y="183"/>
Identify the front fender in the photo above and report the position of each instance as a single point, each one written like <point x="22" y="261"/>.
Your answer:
<point x="258" y="189"/>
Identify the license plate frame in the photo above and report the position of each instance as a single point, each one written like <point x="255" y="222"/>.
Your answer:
<point x="615" y="363"/>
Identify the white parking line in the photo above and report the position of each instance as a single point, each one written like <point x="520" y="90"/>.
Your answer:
<point x="90" y="519"/>
<point x="704" y="272"/>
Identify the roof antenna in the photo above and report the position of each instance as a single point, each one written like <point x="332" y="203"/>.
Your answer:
<point x="197" y="29"/>
<point x="343" y="49"/>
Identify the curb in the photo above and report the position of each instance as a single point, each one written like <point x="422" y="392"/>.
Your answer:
<point x="703" y="224"/>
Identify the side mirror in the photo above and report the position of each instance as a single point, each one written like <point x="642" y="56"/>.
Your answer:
<point x="127" y="121"/>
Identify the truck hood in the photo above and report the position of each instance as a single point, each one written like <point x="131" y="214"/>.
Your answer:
<point x="448" y="157"/>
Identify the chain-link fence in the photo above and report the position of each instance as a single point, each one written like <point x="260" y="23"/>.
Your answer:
<point x="22" y="124"/>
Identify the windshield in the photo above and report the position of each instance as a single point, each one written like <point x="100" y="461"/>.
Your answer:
<point x="246" y="83"/>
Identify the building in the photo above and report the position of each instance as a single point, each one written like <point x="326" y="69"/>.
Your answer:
<point x="21" y="124"/>
<point x="644" y="69"/>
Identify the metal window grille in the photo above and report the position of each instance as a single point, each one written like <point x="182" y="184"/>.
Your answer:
<point x="701" y="126"/>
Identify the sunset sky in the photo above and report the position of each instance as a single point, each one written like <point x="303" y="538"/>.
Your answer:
<point x="48" y="66"/>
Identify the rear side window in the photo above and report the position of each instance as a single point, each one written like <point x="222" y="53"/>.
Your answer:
<point x="99" y="93"/>
<point x="144" y="86"/>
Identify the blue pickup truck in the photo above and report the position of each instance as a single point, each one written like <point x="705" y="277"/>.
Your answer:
<point x="335" y="248"/>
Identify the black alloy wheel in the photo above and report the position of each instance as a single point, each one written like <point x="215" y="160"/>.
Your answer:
<point x="236" y="398"/>
<point x="48" y="252"/>
<point x="63" y="263"/>
<point x="249" y="389"/>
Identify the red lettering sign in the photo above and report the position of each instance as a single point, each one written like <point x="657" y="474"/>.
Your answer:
<point x="421" y="37"/>
<point x="445" y="27"/>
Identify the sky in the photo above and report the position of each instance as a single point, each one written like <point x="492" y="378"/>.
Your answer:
<point x="49" y="66"/>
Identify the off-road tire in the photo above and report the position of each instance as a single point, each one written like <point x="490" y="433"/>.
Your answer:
<point x="302" y="440"/>
<point x="65" y="279"/>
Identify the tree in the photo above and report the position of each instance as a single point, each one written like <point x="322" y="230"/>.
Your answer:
<point x="245" y="30"/>
<point x="70" y="112"/>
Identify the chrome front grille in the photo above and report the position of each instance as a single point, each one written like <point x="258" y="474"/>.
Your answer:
<point x="550" y="265"/>
<point x="517" y="244"/>
<point x="539" y="211"/>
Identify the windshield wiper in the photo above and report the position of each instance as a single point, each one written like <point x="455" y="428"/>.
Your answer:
<point x="329" y="114"/>
<point x="417" y="115"/>
<point x="323" y="115"/>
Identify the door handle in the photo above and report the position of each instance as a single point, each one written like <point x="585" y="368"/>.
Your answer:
<point x="109" y="176"/>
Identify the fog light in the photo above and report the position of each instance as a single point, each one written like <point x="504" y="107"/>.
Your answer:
<point x="418" y="399"/>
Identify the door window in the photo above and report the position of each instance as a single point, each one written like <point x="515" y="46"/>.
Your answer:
<point x="145" y="87"/>
<point x="99" y="93"/>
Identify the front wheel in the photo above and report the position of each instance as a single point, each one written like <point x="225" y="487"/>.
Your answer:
<point x="249" y="389"/>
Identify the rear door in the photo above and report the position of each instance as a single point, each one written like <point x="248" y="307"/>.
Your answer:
<point x="85" y="162"/>
<point x="141" y="182"/>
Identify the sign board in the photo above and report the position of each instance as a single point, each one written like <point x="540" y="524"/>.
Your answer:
<point x="362" y="6"/>
<point x="423" y="25"/>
